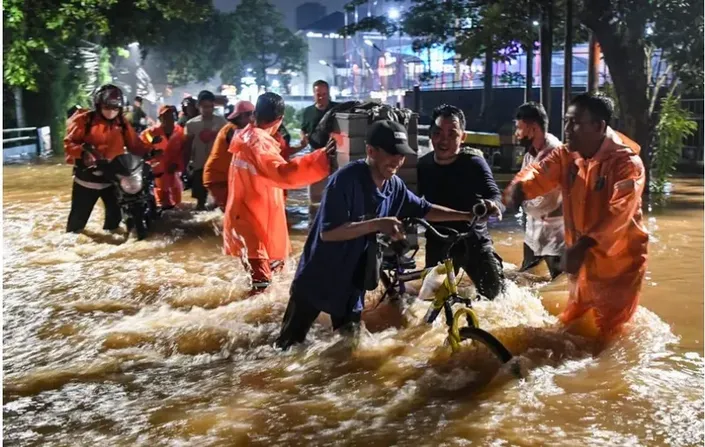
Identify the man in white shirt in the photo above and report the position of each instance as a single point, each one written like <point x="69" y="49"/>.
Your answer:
<point x="200" y="135"/>
<point x="544" y="238"/>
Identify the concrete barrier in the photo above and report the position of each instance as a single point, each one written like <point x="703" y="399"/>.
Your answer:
<point x="350" y="131"/>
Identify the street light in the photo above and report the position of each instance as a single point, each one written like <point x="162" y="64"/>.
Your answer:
<point x="369" y="43"/>
<point x="332" y="69"/>
<point x="394" y="14"/>
<point x="535" y="23"/>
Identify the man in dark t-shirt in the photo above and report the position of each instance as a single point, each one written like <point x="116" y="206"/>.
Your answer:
<point x="459" y="179"/>
<point x="314" y="113"/>
<point x="137" y="117"/>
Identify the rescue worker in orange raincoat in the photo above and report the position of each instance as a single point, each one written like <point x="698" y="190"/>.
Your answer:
<point x="215" y="172"/>
<point x="255" y="220"/>
<point x="105" y="130"/>
<point x="167" y="167"/>
<point x="602" y="179"/>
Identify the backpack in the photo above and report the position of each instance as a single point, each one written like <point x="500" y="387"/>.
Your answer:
<point x="121" y="120"/>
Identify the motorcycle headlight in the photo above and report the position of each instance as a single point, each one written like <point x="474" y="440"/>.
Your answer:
<point x="131" y="184"/>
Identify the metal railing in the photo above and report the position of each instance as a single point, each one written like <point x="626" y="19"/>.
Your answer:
<point x="22" y="143"/>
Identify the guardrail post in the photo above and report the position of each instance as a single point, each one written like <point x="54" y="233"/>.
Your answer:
<point x="40" y="141"/>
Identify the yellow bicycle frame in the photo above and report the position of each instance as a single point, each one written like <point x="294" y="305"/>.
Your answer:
<point x="449" y="288"/>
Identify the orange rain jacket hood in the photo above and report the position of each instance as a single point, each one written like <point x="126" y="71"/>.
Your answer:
<point x="601" y="200"/>
<point x="255" y="226"/>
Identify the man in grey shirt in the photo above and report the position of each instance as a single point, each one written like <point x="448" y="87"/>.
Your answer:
<point x="200" y="135"/>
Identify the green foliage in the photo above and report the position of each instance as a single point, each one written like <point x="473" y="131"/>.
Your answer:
<point x="228" y="44"/>
<point x="677" y="28"/>
<point x="292" y="118"/>
<point x="512" y="78"/>
<point x="299" y="116"/>
<point x="608" y="89"/>
<point x="675" y="123"/>
<point x="196" y="51"/>
<point x="269" y="43"/>
<point x="58" y="28"/>
<point x="470" y="27"/>
<point x="45" y="42"/>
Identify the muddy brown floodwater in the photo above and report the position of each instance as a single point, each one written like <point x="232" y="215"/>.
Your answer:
<point x="115" y="343"/>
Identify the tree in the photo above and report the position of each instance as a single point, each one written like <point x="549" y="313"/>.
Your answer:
<point x="269" y="43"/>
<point x="192" y="52"/>
<point x="43" y="40"/>
<point x="674" y="124"/>
<point x="497" y="30"/>
<point x="58" y="29"/>
<point x="627" y="33"/>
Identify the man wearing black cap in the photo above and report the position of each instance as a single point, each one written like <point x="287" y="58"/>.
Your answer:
<point x="363" y="198"/>
<point x="200" y="135"/>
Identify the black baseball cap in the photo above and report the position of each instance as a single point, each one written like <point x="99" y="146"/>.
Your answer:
<point x="389" y="136"/>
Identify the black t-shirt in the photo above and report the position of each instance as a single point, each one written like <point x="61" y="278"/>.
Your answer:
<point x="458" y="186"/>
<point x="312" y="116"/>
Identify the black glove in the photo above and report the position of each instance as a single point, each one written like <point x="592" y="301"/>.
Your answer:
<point x="332" y="153"/>
<point x="89" y="148"/>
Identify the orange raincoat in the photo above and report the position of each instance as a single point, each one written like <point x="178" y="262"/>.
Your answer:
<point x="601" y="200"/>
<point x="215" y="171"/>
<point x="255" y="217"/>
<point x="109" y="139"/>
<point x="167" y="186"/>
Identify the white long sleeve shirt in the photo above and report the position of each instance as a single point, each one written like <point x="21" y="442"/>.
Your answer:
<point x="544" y="224"/>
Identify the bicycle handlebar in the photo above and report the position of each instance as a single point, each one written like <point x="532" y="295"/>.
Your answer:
<point x="479" y="211"/>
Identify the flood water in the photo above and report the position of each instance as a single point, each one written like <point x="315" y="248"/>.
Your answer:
<point x="115" y="343"/>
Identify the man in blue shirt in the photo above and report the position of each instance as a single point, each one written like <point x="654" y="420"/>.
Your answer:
<point x="361" y="199"/>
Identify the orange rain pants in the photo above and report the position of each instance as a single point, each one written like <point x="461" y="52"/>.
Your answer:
<point x="255" y="225"/>
<point x="601" y="200"/>
<point x="167" y="185"/>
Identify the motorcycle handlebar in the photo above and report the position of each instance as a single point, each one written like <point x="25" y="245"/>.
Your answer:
<point x="91" y="150"/>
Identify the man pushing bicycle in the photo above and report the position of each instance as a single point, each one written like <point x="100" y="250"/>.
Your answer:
<point x="340" y="257"/>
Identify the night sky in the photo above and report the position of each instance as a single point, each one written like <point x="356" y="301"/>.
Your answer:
<point x="287" y="7"/>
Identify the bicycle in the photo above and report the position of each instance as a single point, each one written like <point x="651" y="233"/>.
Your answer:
<point x="395" y="274"/>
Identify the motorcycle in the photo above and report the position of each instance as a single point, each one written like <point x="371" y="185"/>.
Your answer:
<point x="134" y="182"/>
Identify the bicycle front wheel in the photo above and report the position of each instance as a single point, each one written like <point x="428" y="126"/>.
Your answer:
<point x="487" y="339"/>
